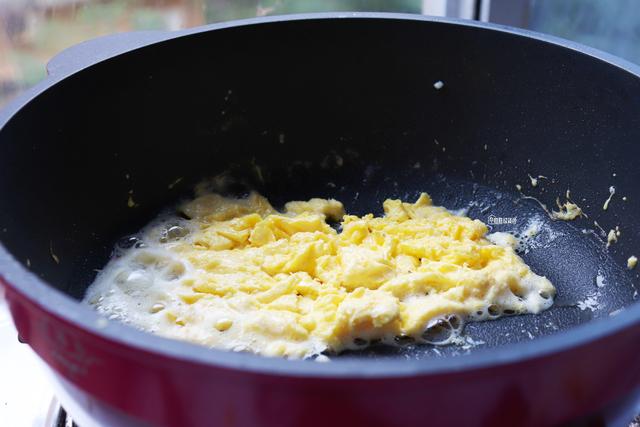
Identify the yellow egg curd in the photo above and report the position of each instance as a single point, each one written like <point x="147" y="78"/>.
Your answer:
<point x="239" y="275"/>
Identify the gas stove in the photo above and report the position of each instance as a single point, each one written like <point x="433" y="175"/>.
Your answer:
<point x="31" y="396"/>
<point x="26" y="397"/>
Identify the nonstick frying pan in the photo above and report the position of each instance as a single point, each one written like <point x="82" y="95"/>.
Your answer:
<point x="274" y="102"/>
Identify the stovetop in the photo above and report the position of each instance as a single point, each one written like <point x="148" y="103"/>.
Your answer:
<point x="26" y="397"/>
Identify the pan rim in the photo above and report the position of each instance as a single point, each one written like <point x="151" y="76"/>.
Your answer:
<point x="78" y="315"/>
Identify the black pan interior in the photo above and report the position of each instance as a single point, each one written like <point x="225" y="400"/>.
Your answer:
<point x="346" y="109"/>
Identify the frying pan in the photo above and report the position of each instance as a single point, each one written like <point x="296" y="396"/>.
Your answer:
<point x="273" y="102"/>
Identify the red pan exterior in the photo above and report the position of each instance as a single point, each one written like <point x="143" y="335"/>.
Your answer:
<point x="163" y="391"/>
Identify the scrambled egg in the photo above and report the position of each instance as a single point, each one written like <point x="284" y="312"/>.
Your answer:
<point x="239" y="275"/>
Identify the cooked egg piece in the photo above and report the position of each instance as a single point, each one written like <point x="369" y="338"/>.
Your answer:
<point x="241" y="276"/>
